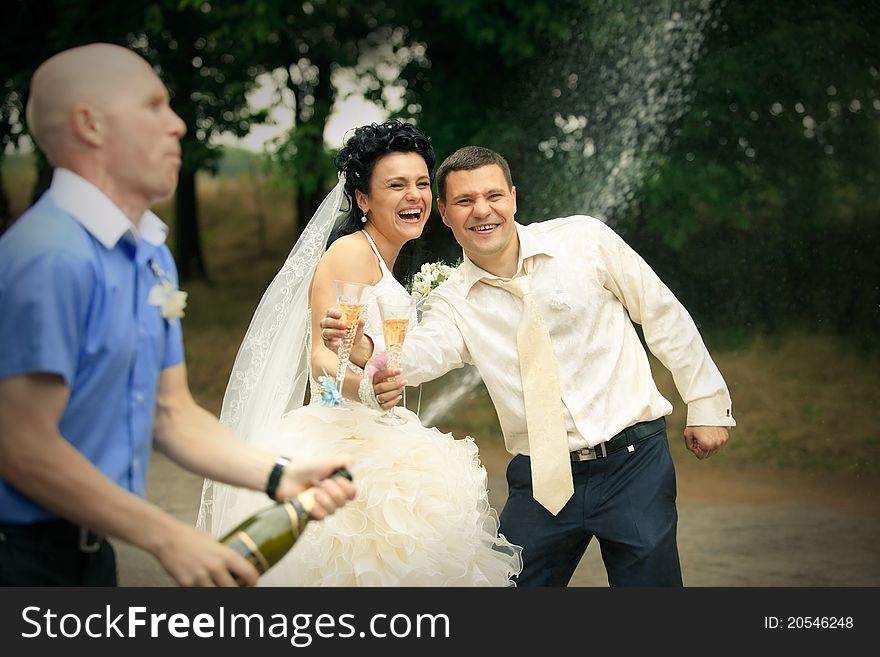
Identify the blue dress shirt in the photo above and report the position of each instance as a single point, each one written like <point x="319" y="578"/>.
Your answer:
<point x="75" y="275"/>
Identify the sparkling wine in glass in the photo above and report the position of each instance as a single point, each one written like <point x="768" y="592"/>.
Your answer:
<point x="350" y="298"/>
<point x="395" y="314"/>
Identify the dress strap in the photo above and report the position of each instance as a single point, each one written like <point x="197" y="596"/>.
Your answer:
<point x="376" y="251"/>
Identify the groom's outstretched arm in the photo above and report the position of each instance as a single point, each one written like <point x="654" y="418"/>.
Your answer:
<point x="433" y="348"/>
<point x="436" y="346"/>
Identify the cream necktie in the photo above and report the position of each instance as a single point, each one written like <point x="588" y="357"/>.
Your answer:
<point x="552" y="485"/>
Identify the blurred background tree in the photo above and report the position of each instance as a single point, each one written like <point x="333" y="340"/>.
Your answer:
<point x="203" y="59"/>
<point x="768" y="189"/>
<point x="734" y="144"/>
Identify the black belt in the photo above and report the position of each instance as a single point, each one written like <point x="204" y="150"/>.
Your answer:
<point x="624" y="440"/>
<point x="57" y="532"/>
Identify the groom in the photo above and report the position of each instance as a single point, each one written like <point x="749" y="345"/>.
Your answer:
<point x="92" y="369"/>
<point x="545" y="312"/>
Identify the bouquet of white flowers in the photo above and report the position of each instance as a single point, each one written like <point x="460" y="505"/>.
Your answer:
<point x="428" y="277"/>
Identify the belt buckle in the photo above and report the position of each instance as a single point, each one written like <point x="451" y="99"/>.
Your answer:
<point x="89" y="543"/>
<point x="584" y="454"/>
<point x="589" y="453"/>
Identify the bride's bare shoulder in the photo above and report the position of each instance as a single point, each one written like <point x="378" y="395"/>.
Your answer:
<point x="349" y="258"/>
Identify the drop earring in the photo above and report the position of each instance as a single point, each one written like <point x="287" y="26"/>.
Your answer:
<point x="364" y="219"/>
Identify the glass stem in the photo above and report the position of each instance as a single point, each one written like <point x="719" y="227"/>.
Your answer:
<point x="344" y="352"/>
<point x="394" y="363"/>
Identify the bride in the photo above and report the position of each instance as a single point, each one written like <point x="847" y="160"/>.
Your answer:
<point x="422" y="516"/>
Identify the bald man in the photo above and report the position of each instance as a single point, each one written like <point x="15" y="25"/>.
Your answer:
<point x="92" y="367"/>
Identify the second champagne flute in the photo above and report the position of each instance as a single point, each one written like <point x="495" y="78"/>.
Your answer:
<point x="395" y="314"/>
<point x="350" y="297"/>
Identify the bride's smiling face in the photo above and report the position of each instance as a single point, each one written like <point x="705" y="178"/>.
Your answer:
<point x="399" y="201"/>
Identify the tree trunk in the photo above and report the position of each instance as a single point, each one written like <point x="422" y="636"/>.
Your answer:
<point x="309" y="196"/>
<point x="44" y="177"/>
<point x="190" y="263"/>
<point x="306" y="204"/>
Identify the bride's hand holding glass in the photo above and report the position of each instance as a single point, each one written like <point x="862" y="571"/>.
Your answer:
<point x="333" y="330"/>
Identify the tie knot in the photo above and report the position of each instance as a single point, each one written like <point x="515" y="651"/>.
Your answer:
<point x="519" y="286"/>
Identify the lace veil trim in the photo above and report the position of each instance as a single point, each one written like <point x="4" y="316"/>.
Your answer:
<point x="271" y="370"/>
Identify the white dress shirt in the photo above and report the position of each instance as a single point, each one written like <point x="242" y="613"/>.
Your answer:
<point x="588" y="284"/>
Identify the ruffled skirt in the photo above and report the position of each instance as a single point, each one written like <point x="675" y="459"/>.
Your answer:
<point x="421" y="516"/>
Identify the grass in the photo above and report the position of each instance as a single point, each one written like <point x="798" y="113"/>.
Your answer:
<point x="804" y="399"/>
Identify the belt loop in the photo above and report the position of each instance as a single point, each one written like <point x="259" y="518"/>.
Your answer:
<point x="89" y="543"/>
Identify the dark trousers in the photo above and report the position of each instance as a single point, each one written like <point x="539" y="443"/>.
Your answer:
<point x="54" y="553"/>
<point x="626" y="500"/>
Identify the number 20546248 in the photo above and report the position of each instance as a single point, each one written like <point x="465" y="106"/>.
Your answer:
<point x="808" y="622"/>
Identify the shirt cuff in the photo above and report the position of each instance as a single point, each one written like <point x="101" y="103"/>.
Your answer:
<point x="710" y="412"/>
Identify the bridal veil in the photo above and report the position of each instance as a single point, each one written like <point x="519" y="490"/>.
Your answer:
<point x="271" y="370"/>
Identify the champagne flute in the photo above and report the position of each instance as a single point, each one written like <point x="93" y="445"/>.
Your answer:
<point x="350" y="297"/>
<point x="395" y="314"/>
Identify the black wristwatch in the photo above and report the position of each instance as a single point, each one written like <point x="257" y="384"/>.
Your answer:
<point x="275" y="477"/>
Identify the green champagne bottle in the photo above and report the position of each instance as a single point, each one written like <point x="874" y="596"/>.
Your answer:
<point x="266" y="536"/>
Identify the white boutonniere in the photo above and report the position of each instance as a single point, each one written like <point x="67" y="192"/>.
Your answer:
<point x="559" y="300"/>
<point x="166" y="295"/>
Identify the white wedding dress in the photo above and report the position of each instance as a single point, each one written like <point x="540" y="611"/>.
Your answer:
<point x="421" y="516"/>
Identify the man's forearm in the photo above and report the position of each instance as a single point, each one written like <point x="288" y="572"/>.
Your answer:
<point x="193" y="438"/>
<point x="80" y="493"/>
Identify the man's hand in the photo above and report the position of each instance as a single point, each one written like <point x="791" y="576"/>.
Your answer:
<point x="705" y="441"/>
<point x="195" y="558"/>
<point x="330" y="493"/>
<point x="388" y="386"/>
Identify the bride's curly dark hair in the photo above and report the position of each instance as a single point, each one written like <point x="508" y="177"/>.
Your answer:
<point x="356" y="161"/>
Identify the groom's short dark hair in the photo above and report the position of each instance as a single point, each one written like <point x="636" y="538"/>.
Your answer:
<point x="469" y="158"/>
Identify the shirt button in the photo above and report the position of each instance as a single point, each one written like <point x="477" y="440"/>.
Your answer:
<point x="138" y="397"/>
<point x="141" y="329"/>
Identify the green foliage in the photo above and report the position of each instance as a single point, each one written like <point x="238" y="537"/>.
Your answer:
<point x="201" y="56"/>
<point x="208" y="66"/>
<point x="757" y="205"/>
<point x="763" y="210"/>
<point x="515" y="29"/>
<point x="776" y="132"/>
<point x="304" y="160"/>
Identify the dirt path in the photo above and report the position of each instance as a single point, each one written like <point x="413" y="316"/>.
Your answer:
<point x="737" y="527"/>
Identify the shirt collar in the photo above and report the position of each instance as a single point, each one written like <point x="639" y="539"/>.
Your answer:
<point x="531" y="243"/>
<point x="98" y="214"/>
